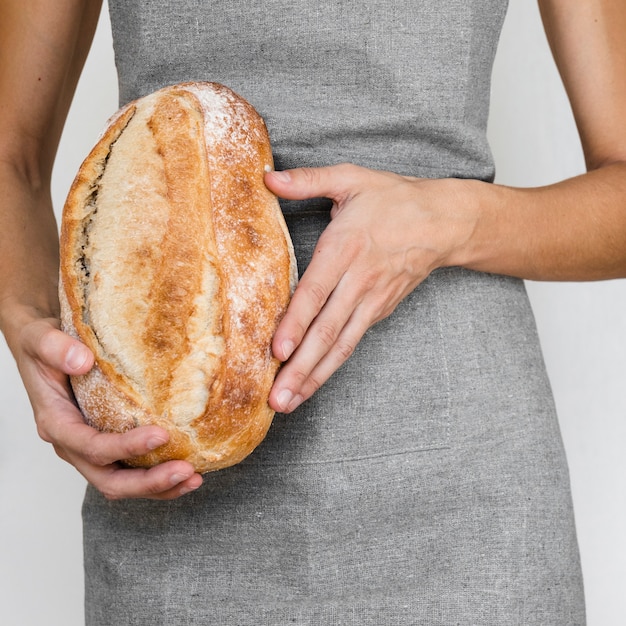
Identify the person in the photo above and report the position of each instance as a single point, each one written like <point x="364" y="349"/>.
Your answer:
<point x="414" y="473"/>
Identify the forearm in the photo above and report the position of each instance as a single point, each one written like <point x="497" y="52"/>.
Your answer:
<point x="28" y="254"/>
<point x="43" y="46"/>
<point x="572" y="230"/>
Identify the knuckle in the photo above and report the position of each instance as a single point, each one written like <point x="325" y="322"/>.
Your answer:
<point x="345" y="349"/>
<point x="380" y="307"/>
<point x="354" y="247"/>
<point x="326" y="333"/>
<point x="110" y="494"/>
<point x="131" y="444"/>
<point x="111" y="485"/>
<point x="50" y="344"/>
<point x="44" y="434"/>
<point x="61" y="453"/>
<point x="94" y="456"/>
<point x="312" y="385"/>
<point x="386" y="308"/>
<point x="310" y="176"/>
<point x="307" y="177"/>
<point x="358" y="247"/>
<point x="369" y="278"/>
<point x="347" y="170"/>
<point x="299" y="377"/>
<point x="318" y="294"/>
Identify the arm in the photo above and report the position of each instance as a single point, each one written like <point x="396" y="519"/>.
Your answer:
<point x="43" y="46"/>
<point x="572" y="230"/>
<point x="575" y="229"/>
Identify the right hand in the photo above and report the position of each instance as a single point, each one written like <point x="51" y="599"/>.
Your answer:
<point x="45" y="357"/>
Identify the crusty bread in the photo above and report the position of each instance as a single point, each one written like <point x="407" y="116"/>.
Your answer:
<point x="176" y="267"/>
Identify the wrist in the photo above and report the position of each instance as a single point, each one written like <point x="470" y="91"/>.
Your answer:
<point x="485" y="242"/>
<point x="16" y="313"/>
<point x="464" y="202"/>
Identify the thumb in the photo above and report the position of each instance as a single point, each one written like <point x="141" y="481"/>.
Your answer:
<point x="58" y="350"/>
<point x="302" y="183"/>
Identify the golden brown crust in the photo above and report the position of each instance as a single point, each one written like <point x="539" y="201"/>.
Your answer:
<point x="176" y="267"/>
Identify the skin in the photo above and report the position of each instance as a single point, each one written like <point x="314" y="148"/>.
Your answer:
<point x="363" y="264"/>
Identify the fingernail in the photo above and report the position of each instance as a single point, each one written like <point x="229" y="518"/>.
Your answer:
<point x="295" y="403"/>
<point x="76" y="357"/>
<point x="155" y="442"/>
<point x="178" y="478"/>
<point x="287" y="401"/>
<point x="284" y="398"/>
<point x="189" y="488"/>
<point x="282" y="176"/>
<point x="287" y="348"/>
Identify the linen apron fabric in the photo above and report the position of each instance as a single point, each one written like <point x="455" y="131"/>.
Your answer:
<point x="426" y="482"/>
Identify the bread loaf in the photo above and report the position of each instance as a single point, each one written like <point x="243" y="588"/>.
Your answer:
<point x="176" y="267"/>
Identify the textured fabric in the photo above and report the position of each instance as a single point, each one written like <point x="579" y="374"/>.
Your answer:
<point x="397" y="85"/>
<point x="426" y="482"/>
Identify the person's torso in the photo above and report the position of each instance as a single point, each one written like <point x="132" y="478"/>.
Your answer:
<point x="402" y="86"/>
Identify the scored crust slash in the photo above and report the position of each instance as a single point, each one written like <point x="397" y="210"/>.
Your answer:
<point x="176" y="267"/>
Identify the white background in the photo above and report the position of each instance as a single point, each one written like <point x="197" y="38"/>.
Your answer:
<point x="583" y="330"/>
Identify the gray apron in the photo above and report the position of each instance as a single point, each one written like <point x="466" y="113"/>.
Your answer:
<point x="426" y="482"/>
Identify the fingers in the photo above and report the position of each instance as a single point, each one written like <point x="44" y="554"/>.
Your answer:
<point x="46" y="356"/>
<point x="57" y="349"/>
<point x="333" y="182"/>
<point x="101" y="449"/>
<point x="313" y="291"/>
<point x="363" y="265"/>
<point x="332" y="308"/>
<point x="163" y="482"/>
<point x="329" y="341"/>
<point x="96" y="456"/>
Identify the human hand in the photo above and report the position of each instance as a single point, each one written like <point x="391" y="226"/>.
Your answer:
<point x="387" y="233"/>
<point x="45" y="357"/>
